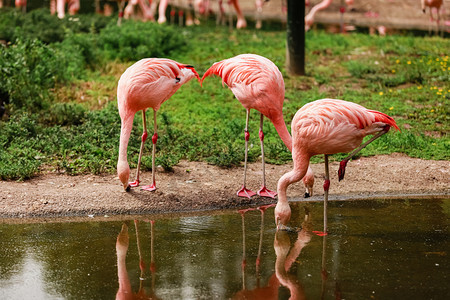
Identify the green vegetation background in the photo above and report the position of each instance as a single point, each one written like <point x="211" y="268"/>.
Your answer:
<point x="58" y="91"/>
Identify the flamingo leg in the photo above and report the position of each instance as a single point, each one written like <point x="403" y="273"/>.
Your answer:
<point x="343" y="164"/>
<point x="341" y="19"/>
<point x="162" y="11"/>
<point x="326" y="187"/>
<point x="141" y="260"/>
<point x="261" y="233"/>
<point x="244" y="192"/>
<point x="152" y="186"/>
<point x="152" y="253"/>
<point x="264" y="192"/>
<point x="143" y="139"/>
<point x="121" y="5"/>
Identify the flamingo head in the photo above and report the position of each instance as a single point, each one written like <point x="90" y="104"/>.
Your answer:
<point x="308" y="181"/>
<point x="281" y="244"/>
<point x="282" y="213"/>
<point x="123" y="171"/>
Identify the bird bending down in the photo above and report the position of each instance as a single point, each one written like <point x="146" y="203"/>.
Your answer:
<point x="146" y="84"/>
<point x="258" y="84"/>
<point x="327" y="126"/>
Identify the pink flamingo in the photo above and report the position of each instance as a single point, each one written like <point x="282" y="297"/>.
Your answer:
<point x="436" y="4"/>
<point x="73" y="7"/>
<point x="241" y="22"/>
<point x="145" y="8"/>
<point x="258" y="84"/>
<point x="146" y="84"/>
<point x="327" y="126"/>
<point x="309" y="18"/>
<point x="21" y="4"/>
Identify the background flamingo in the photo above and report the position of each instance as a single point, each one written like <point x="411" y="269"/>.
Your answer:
<point x="146" y="84"/>
<point x="436" y="4"/>
<point x="21" y="4"/>
<point x="73" y="7"/>
<point x="327" y="126"/>
<point x="309" y="18"/>
<point x="257" y="84"/>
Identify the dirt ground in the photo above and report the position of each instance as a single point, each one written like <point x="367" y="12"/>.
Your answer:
<point x="195" y="186"/>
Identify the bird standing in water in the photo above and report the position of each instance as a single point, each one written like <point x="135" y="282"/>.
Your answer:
<point x="258" y="84"/>
<point x="146" y="84"/>
<point x="327" y="126"/>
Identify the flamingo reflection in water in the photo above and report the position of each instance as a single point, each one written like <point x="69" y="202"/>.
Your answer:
<point x="286" y="256"/>
<point x="125" y="290"/>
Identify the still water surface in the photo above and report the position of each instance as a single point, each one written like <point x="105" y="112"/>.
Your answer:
<point x="377" y="249"/>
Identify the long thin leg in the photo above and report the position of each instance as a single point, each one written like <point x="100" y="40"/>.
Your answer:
<point x="162" y="11"/>
<point x="244" y="192"/>
<point x="343" y="164"/>
<point x="143" y="139"/>
<point x="152" y="186"/>
<point x="264" y="192"/>
<point x="141" y="260"/>
<point x="244" y="257"/>
<point x="326" y="187"/>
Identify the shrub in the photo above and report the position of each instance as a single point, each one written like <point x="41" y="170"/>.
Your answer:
<point x="24" y="78"/>
<point x="65" y="114"/>
<point x="40" y="24"/>
<point x="136" y="40"/>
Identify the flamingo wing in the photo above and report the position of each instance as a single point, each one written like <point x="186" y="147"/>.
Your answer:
<point x="254" y="80"/>
<point x="151" y="81"/>
<point x="330" y="126"/>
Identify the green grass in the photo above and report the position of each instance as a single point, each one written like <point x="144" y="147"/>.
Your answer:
<point x="77" y="131"/>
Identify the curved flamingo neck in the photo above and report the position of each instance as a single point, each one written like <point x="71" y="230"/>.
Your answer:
<point x="299" y="171"/>
<point x="125" y="132"/>
<point x="322" y="5"/>
<point x="283" y="132"/>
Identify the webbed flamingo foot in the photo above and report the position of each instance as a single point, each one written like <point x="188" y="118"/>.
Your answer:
<point x="264" y="192"/>
<point x="150" y="188"/>
<point x="134" y="183"/>
<point x="244" y="192"/>
<point x="320" y="233"/>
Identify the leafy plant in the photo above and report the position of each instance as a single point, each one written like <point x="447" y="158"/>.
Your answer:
<point x="136" y="40"/>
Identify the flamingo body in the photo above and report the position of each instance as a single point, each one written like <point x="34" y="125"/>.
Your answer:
<point x="258" y="84"/>
<point x="431" y="3"/>
<point x="146" y="84"/>
<point x="326" y="126"/>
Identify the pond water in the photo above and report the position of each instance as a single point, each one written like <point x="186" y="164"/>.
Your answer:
<point x="377" y="249"/>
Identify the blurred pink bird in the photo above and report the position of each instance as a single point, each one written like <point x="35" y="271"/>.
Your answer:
<point x="258" y="84"/>
<point x="327" y="126"/>
<point x="309" y="18"/>
<point x="436" y="4"/>
<point x="146" y="84"/>
<point x="21" y="4"/>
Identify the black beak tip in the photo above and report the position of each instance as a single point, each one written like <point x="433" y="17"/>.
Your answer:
<point x="307" y="195"/>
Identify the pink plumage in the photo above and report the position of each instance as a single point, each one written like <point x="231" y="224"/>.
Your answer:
<point x="327" y="126"/>
<point x="146" y="84"/>
<point x="258" y="84"/>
